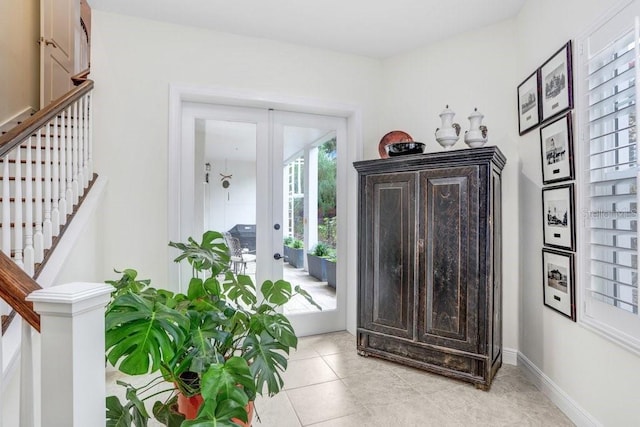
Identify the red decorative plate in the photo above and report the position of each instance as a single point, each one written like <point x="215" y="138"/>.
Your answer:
<point x="391" y="138"/>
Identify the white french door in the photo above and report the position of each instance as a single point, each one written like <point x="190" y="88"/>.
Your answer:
<point x="302" y="139"/>
<point x="234" y="176"/>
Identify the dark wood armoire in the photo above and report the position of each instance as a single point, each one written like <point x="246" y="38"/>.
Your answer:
<point x="429" y="274"/>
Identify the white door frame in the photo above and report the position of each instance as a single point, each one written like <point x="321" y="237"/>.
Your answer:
<point x="181" y="205"/>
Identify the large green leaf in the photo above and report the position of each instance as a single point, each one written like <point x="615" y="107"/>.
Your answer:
<point x="138" y="411"/>
<point x="224" y="378"/>
<point x="196" y="289"/>
<point x="128" y="282"/>
<point x="278" y="292"/>
<point x="117" y="415"/>
<point x="140" y="334"/>
<point x="167" y="412"/>
<point x="239" y="288"/>
<point x="205" y="333"/>
<point x="279" y="327"/>
<point x="267" y="361"/>
<point x="217" y="414"/>
<point x="212" y="254"/>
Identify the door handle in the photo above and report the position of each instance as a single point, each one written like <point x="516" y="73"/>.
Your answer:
<point x="277" y="256"/>
<point x="47" y="42"/>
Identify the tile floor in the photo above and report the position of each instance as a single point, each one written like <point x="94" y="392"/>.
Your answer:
<point x="328" y="385"/>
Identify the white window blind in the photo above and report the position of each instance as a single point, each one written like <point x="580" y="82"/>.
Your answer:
<point x="612" y="177"/>
<point x="609" y="176"/>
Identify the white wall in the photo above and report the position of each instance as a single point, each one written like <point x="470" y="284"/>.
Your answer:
<point x="133" y="63"/>
<point x="468" y="71"/>
<point x="235" y="204"/>
<point x="601" y="377"/>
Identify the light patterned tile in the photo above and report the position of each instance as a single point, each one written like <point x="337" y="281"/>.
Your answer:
<point x="306" y="372"/>
<point x="372" y="390"/>
<point x="362" y="419"/>
<point x="336" y="342"/>
<point x="275" y="411"/>
<point x="323" y="402"/>
<point x="423" y="381"/>
<point x="351" y="364"/>
<point x="304" y="351"/>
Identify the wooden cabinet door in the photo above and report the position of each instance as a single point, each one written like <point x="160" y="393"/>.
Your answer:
<point x="448" y="264"/>
<point x="388" y="246"/>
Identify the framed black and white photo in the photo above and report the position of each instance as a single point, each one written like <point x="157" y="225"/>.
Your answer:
<point x="559" y="216"/>
<point x="556" y="148"/>
<point x="558" y="288"/>
<point x="556" y="83"/>
<point x="528" y="105"/>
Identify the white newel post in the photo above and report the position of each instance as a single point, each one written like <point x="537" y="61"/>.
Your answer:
<point x="73" y="364"/>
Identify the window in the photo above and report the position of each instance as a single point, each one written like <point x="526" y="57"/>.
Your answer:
<point x="607" y="93"/>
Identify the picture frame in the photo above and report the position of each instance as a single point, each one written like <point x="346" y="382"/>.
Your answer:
<point x="558" y="282"/>
<point x="556" y="84"/>
<point x="558" y="214"/>
<point x="528" y="103"/>
<point x="556" y="150"/>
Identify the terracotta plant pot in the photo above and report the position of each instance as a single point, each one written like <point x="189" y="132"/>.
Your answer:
<point x="189" y="406"/>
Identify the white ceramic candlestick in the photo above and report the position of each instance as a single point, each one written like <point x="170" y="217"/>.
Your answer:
<point x="476" y="136"/>
<point x="448" y="134"/>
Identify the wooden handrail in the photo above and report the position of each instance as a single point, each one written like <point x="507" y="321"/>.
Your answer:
<point x="15" y="136"/>
<point x="81" y="77"/>
<point x="15" y="285"/>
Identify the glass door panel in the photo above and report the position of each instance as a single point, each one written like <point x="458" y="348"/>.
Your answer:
<point x="307" y="180"/>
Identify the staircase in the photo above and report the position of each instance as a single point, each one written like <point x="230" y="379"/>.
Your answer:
<point x="46" y="172"/>
<point x="53" y="166"/>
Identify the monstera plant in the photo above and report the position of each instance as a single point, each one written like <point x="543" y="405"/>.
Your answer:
<point x="221" y="343"/>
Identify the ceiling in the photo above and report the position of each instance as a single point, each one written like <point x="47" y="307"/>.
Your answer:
<point x="373" y="28"/>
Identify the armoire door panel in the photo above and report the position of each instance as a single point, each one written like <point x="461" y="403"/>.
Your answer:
<point x="448" y="299"/>
<point x="495" y="279"/>
<point x="390" y="253"/>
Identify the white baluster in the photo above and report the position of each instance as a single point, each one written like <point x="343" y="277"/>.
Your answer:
<point x="69" y="160"/>
<point x="85" y="150"/>
<point x="46" y="225"/>
<point x="29" y="253"/>
<point x="17" y="209"/>
<point x="62" y="204"/>
<point x="27" y="389"/>
<point x="80" y="103"/>
<point x="38" y="236"/>
<point x="90" y="144"/>
<point x="83" y="145"/>
<point x="6" y="207"/>
<point x="55" y="180"/>
<point x="76" y="125"/>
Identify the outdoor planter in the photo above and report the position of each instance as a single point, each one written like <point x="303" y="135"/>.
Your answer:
<point x="316" y="266"/>
<point x="296" y="257"/>
<point x="330" y="269"/>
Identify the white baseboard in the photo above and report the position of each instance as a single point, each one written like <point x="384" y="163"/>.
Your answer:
<point x="562" y="400"/>
<point x="510" y="356"/>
